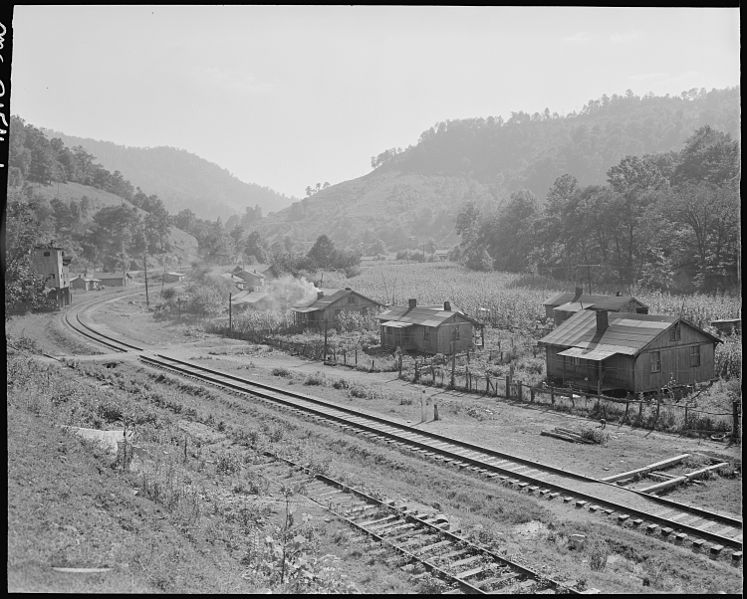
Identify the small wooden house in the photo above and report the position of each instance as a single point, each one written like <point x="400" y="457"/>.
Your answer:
<point x="110" y="279"/>
<point x="85" y="283"/>
<point x="250" y="279"/>
<point x="172" y="277"/>
<point x="329" y="304"/>
<point x="427" y="329"/>
<point x="603" y="351"/>
<point x="562" y="306"/>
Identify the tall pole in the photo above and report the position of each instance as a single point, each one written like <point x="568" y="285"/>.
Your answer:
<point x="325" y="339"/>
<point x="145" y="267"/>
<point x="230" y="315"/>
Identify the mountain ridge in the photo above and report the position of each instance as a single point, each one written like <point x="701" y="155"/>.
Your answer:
<point x="182" y="179"/>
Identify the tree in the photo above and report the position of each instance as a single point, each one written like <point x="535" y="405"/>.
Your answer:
<point x="322" y="254"/>
<point x="24" y="288"/>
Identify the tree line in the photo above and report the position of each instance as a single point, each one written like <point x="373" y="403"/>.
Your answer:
<point x="666" y="221"/>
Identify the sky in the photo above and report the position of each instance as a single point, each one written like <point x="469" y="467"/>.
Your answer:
<point x="288" y="96"/>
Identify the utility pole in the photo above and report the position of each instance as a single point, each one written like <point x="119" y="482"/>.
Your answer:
<point x="145" y="267"/>
<point x="325" y="340"/>
<point x="230" y="315"/>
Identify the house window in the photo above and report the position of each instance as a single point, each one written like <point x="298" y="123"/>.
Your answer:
<point x="457" y="333"/>
<point x="46" y="254"/>
<point x="675" y="333"/>
<point x="694" y="356"/>
<point x="655" y="361"/>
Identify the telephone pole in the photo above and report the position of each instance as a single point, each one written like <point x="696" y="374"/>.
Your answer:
<point x="145" y="267"/>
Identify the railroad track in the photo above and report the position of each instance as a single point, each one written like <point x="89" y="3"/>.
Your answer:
<point x="73" y="320"/>
<point x="702" y="530"/>
<point x="420" y="542"/>
<point x="682" y="524"/>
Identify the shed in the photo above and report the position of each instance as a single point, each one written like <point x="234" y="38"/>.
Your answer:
<point x="172" y="277"/>
<point x="110" y="279"/>
<point x="561" y="306"/>
<point x="85" y="283"/>
<point x="329" y="304"/>
<point x="251" y="279"/>
<point x="428" y="329"/>
<point x="603" y="351"/>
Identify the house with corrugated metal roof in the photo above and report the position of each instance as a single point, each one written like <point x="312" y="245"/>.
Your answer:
<point x="604" y="351"/>
<point x="428" y="329"/>
<point x="329" y="303"/>
<point x="562" y="306"/>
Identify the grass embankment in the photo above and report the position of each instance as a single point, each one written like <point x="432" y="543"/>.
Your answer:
<point x="204" y="523"/>
<point x="535" y="533"/>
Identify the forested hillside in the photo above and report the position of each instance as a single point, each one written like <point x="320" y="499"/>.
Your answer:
<point x="489" y="182"/>
<point x="181" y="179"/>
<point x="61" y="195"/>
<point x="531" y="151"/>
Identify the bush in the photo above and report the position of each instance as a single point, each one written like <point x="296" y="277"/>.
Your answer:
<point x="314" y="379"/>
<point x="358" y="391"/>
<point x="284" y="372"/>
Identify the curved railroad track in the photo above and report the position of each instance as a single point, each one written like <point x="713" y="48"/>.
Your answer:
<point x="682" y="524"/>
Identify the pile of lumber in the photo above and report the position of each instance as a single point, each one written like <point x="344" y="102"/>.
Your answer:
<point x="567" y="435"/>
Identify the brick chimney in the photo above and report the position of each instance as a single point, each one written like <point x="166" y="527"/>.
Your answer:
<point x="602" y="321"/>
<point x="578" y="293"/>
<point x="447" y="307"/>
<point x="412" y="303"/>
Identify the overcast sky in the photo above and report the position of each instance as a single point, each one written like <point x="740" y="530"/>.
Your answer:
<point x="289" y="96"/>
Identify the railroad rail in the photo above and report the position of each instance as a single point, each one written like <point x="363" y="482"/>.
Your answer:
<point x="654" y="515"/>
<point x="680" y="523"/>
<point x="421" y="541"/>
<point x="72" y="319"/>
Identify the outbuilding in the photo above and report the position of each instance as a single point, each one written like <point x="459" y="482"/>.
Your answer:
<point x="604" y="351"/>
<point x="85" y="283"/>
<point x="329" y="304"/>
<point x="562" y="306"/>
<point x="428" y="329"/>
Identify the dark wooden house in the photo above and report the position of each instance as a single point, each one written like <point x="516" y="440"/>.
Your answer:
<point x="329" y="304"/>
<point x="603" y="351"/>
<point x="428" y="329"/>
<point x="562" y="306"/>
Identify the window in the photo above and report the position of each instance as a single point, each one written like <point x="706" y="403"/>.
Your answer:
<point x="457" y="333"/>
<point x="575" y="361"/>
<point x="655" y="361"/>
<point x="675" y="333"/>
<point x="426" y="333"/>
<point x="695" y="356"/>
<point x="46" y="254"/>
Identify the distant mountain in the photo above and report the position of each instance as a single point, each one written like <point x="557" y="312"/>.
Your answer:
<point x="415" y="194"/>
<point x="181" y="179"/>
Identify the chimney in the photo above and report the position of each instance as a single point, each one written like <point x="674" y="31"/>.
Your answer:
<point x="412" y="303"/>
<point x="319" y="294"/>
<point x="348" y="289"/>
<point x="602" y="321"/>
<point x="447" y="307"/>
<point x="579" y="292"/>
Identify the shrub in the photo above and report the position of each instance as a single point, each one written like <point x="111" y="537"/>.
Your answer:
<point x="341" y="384"/>
<point x="314" y="379"/>
<point x="284" y="372"/>
<point x="358" y="391"/>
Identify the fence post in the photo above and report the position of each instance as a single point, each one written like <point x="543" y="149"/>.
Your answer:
<point x="552" y="395"/>
<point x="735" y="437"/>
<point x="520" y="389"/>
<point x="508" y="386"/>
<point x="372" y="365"/>
<point x="417" y="371"/>
<point x="627" y="405"/>
<point x="531" y="394"/>
<point x="400" y="366"/>
<point x="345" y="359"/>
<point x="356" y="356"/>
